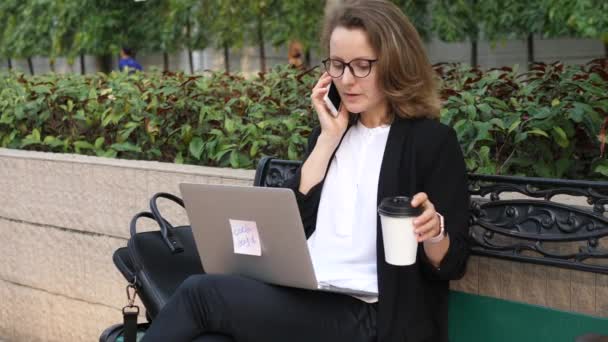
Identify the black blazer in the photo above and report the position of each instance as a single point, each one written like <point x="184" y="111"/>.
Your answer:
<point x="421" y="155"/>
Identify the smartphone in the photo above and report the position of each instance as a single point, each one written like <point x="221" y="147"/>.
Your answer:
<point x="332" y="99"/>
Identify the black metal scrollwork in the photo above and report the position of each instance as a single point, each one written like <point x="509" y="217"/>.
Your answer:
<point x="537" y="229"/>
<point x="523" y="229"/>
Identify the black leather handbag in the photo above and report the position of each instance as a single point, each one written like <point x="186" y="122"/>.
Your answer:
<point x="154" y="263"/>
<point x="161" y="260"/>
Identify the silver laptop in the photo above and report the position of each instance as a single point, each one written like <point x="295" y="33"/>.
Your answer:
<point x="255" y="232"/>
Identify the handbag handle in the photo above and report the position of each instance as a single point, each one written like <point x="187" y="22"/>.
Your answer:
<point x="166" y="228"/>
<point x="133" y="224"/>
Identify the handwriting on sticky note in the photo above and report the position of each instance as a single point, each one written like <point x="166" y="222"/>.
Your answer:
<point x="245" y="237"/>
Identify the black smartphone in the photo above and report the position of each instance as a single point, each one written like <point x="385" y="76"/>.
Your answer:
<point x="332" y="99"/>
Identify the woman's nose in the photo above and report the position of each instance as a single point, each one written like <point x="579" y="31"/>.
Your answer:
<point x="348" y="77"/>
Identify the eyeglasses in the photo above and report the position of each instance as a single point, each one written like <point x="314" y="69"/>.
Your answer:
<point x="358" y="67"/>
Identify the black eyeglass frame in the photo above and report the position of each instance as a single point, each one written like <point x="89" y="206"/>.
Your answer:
<point x="352" y="71"/>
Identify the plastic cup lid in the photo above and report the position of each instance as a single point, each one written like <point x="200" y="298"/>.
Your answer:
<point x="398" y="206"/>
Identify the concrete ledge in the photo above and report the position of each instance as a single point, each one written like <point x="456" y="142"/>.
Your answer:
<point x="98" y="195"/>
<point x="143" y="165"/>
<point x="75" y="265"/>
<point x="33" y="315"/>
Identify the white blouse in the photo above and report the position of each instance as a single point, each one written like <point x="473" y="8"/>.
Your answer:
<point x="343" y="246"/>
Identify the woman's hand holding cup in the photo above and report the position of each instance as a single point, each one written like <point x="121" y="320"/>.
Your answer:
<point x="427" y="225"/>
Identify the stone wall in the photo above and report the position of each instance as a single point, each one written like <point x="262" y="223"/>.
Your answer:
<point x="62" y="216"/>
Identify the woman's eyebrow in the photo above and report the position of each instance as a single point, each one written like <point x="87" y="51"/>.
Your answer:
<point x="343" y="60"/>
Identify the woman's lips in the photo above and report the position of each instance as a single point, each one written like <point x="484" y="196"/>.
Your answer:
<point x="351" y="96"/>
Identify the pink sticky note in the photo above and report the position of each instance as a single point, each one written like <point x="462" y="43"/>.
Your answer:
<point x="245" y="237"/>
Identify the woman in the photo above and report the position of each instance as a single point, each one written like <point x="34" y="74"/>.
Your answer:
<point x="393" y="146"/>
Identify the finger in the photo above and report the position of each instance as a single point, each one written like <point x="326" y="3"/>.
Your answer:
<point x="423" y="228"/>
<point x="319" y="103"/>
<point x="318" y="93"/>
<point x="419" y="199"/>
<point x="426" y="216"/>
<point x="429" y="232"/>
<point x="323" y="81"/>
<point x="427" y="236"/>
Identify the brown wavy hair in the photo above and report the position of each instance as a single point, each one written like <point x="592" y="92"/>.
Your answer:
<point x="405" y="74"/>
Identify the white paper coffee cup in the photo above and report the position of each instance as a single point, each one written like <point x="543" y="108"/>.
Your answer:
<point x="398" y="237"/>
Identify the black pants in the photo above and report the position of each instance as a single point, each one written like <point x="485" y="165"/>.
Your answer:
<point x="252" y="311"/>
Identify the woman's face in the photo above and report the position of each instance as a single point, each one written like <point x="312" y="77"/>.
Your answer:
<point x="359" y="95"/>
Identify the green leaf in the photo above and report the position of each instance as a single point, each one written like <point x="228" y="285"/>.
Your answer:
<point x="230" y="126"/>
<point x="36" y="135"/>
<point x="254" y="149"/>
<point x="542" y="169"/>
<point x="520" y="136"/>
<point x="580" y="110"/>
<point x="99" y="142"/>
<point x="108" y="154"/>
<point x="485" y="108"/>
<point x="562" y="165"/>
<point x="52" y="141"/>
<point x="514" y="125"/>
<point x="537" y="131"/>
<point x="83" y="145"/>
<point x="234" y="159"/>
<point x="6" y="118"/>
<point x="106" y="117"/>
<point x="179" y="159"/>
<point x="32" y="138"/>
<point x="498" y="123"/>
<point x="196" y="147"/>
<point x="80" y="115"/>
<point x="468" y="98"/>
<point x="471" y="112"/>
<point x="93" y="94"/>
<point x="602" y="168"/>
<point x="124" y="134"/>
<point x="560" y="137"/>
<point x="541" y="113"/>
<point x="483" y="131"/>
<point x="290" y="124"/>
<point x="292" y="152"/>
<point x="125" y="147"/>
<point x="42" y="89"/>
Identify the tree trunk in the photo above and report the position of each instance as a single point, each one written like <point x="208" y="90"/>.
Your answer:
<point x="105" y="63"/>
<point x="474" y="54"/>
<point x="30" y="65"/>
<point x="165" y="61"/>
<point x="226" y="58"/>
<point x="82" y="65"/>
<point x="52" y="64"/>
<point x="307" y="58"/>
<point x="261" y="42"/>
<point x="530" y="49"/>
<point x="190" y="61"/>
<point x="189" y="48"/>
<point x="10" y="64"/>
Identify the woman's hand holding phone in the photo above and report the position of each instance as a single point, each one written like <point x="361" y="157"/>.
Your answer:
<point x="331" y="126"/>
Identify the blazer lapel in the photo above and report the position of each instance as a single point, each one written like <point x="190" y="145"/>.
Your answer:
<point x="388" y="182"/>
<point x="391" y="184"/>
